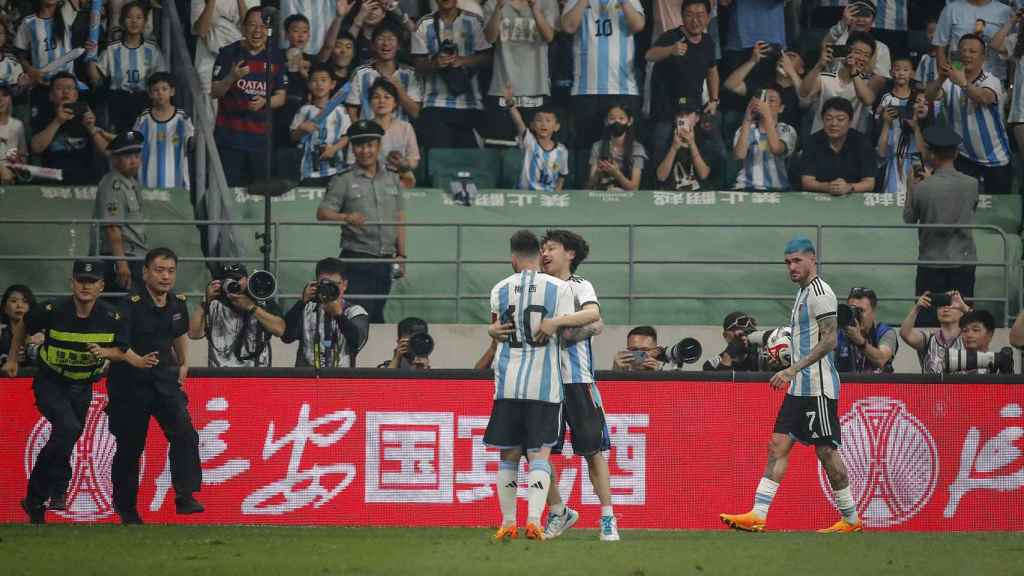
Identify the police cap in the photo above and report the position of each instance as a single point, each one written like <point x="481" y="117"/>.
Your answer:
<point x="88" y="270"/>
<point x="127" y="143"/>
<point x="941" y="137"/>
<point x="365" y="130"/>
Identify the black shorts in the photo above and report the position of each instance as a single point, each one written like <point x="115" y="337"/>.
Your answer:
<point x="809" y="420"/>
<point x="525" y="424"/>
<point x="584" y="415"/>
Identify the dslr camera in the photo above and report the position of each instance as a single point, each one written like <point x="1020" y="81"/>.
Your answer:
<point x="686" y="351"/>
<point x="77" y="108"/>
<point x="967" y="361"/>
<point x="849" y="315"/>
<point x="327" y="291"/>
<point x="262" y="285"/>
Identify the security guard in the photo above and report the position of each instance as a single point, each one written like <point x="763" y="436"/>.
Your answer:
<point x="369" y="191"/>
<point x="156" y="324"/>
<point x="82" y="333"/>
<point x="118" y="199"/>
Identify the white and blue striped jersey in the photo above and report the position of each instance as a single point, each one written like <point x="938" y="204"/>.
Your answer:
<point x="524" y="370"/>
<point x="10" y="70"/>
<point x="982" y="127"/>
<point x="814" y="302"/>
<point x="467" y="33"/>
<point x="927" y="69"/>
<point x="364" y="77"/>
<point x="541" y="168"/>
<point x="165" y="150"/>
<point x="333" y="129"/>
<point x="761" y="169"/>
<point x="897" y="164"/>
<point x="604" y="54"/>
<point x="1016" y="114"/>
<point x="891" y="14"/>
<point x="128" y="68"/>
<point x="320" y="14"/>
<point x="37" y="37"/>
<point x="578" y="357"/>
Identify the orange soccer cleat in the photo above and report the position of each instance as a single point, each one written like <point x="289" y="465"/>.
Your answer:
<point x="748" y="522"/>
<point x="842" y="527"/>
<point x="505" y="533"/>
<point x="534" y="532"/>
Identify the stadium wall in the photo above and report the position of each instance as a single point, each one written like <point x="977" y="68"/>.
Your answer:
<point x="284" y="447"/>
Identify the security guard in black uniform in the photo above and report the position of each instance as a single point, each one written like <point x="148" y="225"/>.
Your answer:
<point x="82" y="333"/>
<point x="156" y="323"/>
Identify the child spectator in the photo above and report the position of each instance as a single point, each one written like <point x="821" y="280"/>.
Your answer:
<point x="13" y="147"/>
<point x="399" y="135"/>
<point x="168" y="133"/>
<point x="317" y="14"/>
<point x="12" y="74"/>
<point x="43" y="38"/>
<point x="685" y="165"/>
<point x="927" y="68"/>
<point x="764" y="144"/>
<point x="115" y="24"/>
<point x="889" y="113"/>
<point x="545" y="162"/>
<point x="323" y="153"/>
<point x="617" y="160"/>
<point x="899" y="142"/>
<point x="126" y="65"/>
<point x="342" y="57"/>
<point x="386" y="45"/>
<point x="297" y="64"/>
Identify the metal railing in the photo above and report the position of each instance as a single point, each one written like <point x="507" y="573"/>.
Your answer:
<point x="1007" y="263"/>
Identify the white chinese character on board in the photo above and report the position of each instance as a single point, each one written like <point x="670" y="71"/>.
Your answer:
<point x="984" y="201"/>
<point x="627" y="461"/>
<point x="765" y="198"/>
<point x="871" y="199"/>
<point x="520" y="199"/>
<point x="668" y="198"/>
<point x="733" y="197"/>
<point x="410" y="456"/>
<point x="302" y="487"/>
<point x="484" y="462"/>
<point x="886" y="200"/>
<point x="210" y="446"/>
<point x="554" y="201"/>
<point x="996" y="455"/>
<point x="700" y="198"/>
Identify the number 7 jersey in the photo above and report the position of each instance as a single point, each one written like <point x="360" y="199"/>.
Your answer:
<point x="523" y="369"/>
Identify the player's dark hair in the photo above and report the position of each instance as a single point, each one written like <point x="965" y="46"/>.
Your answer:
<point x="902" y="57"/>
<point x="411" y="325"/>
<point x="331" y="266"/>
<point x="525" y="243"/>
<point x="161" y="252"/>
<point x="648" y="331"/>
<point x="984" y="317"/>
<point x="158" y="77"/>
<point x="862" y="37"/>
<point x="293" y="19"/>
<point x="837" y="104"/>
<point x="570" y="241"/>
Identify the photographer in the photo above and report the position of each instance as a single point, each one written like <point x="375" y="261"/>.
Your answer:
<point x="976" y="330"/>
<point x="330" y="331"/>
<point x="864" y="346"/>
<point x="237" y="328"/>
<point x="67" y="138"/>
<point x="1017" y="332"/>
<point x="932" y="347"/>
<point x="739" y="355"/>
<point x="640" y="353"/>
<point x="414" y="346"/>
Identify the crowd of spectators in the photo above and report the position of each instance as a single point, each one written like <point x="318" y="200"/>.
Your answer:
<point x="650" y="92"/>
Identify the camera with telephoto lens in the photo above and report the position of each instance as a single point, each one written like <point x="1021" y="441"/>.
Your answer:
<point x="686" y="351"/>
<point x="262" y="285"/>
<point x="327" y="291"/>
<point x="849" y="315"/>
<point x="968" y="361"/>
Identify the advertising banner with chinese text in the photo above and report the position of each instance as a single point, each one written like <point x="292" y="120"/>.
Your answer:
<point x="408" y="452"/>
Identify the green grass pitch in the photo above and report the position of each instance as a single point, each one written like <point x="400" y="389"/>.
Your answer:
<point x="156" y="550"/>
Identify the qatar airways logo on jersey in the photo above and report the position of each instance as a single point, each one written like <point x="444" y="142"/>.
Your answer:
<point x="892" y="461"/>
<point x="252" y="87"/>
<point x="90" y="493"/>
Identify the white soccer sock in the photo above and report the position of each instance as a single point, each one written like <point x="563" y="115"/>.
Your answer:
<point x="844" y="501"/>
<point x="607" y="511"/>
<point x="507" y="488"/>
<point x="538" y="481"/>
<point x="766" y="489"/>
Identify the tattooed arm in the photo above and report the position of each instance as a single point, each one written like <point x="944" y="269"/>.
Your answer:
<point x="827" y="340"/>
<point x="580" y="333"/>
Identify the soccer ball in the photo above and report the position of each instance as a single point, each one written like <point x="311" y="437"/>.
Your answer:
<point x="777" y="348"/>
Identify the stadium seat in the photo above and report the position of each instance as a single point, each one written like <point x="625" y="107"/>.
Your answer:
<point x="444" y="164"/>
<point x="512" y="165"/>
<point x="581" y="167"/>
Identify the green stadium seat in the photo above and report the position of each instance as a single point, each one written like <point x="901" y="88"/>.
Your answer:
<point x="444" y="164"/>
<point x="511" y="166"/>
<point x="581" y="168"/>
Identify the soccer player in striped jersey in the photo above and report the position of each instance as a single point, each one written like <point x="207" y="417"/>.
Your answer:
<point x="168" y="132"/>
<point x="545" y="162"/>
<point x="528" y="310"/>
<point x="323" y="154"/>
<point x="763" y="144"/>
<point x="604" y="58"/>
<point x="562" y="252"/>
<point x="808" y="414"/>
<point x="974" y="105"/>
<point x="125" y="66"/>
<point x="387" y="42"/>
